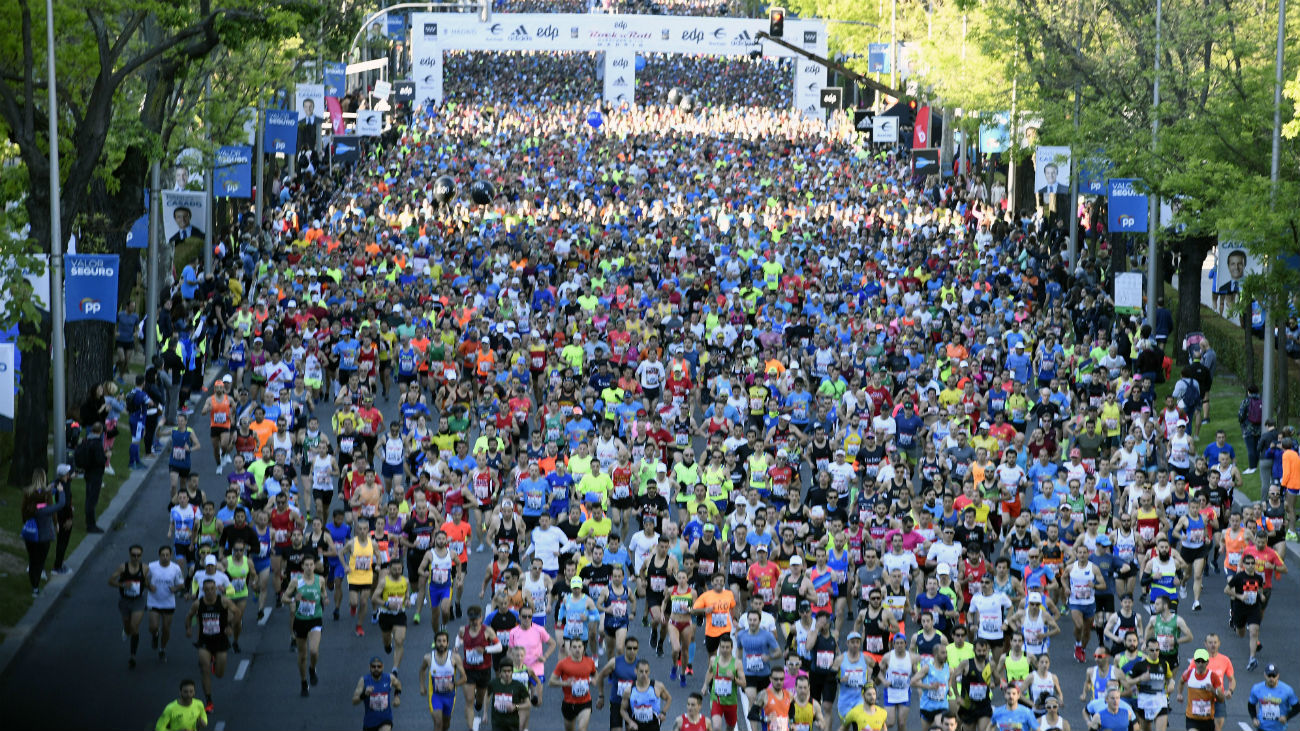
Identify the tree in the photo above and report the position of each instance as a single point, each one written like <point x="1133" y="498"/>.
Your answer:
<point x="110" y="52"/>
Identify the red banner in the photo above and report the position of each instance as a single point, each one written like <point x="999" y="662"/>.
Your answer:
<point x="921" y="129"/>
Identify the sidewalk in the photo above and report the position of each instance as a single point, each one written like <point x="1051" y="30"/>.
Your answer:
<point x="54" y="590"/>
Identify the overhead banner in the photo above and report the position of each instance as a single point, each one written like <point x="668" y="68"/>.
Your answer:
<point x="90" y="291"/>
<point x="369" y="123"/>
<point x="884" y="130"/>
<point x="8" y="384"/>
<point x="620" y="76"/>
<point x="995" y="136"/>
<point x="185" y="215"/>
<point x="921" y="129"/>
<point x="281" y="132"/>
<point x="232" y="177"/>
<point x="1092" y="175"/>
<point x="426" y="58"/>
<point x="601" y="32"/>
<point x="878" y="58"/>
<point x="1127" y="208"/>
<point x="432" y="33"/>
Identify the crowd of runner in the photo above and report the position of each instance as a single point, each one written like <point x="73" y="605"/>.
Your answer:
<point x="725" y="386"/>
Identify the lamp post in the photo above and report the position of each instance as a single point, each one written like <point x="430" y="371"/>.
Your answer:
<point x="1153" y="215"/>
<point x="56" y="252"/>
<point x="1270" y="340"/>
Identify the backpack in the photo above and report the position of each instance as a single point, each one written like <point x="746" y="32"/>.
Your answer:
<point x="81" y="456"/>
<point x="30" y="532"/>
<point x="1191" y="395"/>
<point x="1254" y="410"/>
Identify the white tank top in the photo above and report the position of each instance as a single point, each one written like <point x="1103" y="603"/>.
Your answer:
<point x="440" y="567"/>
<point x="393" y="449"/>
<point x="1035" y="631"/>
<point x="898" y="676"/>
<point x="538" y="591"/>
<point x="320" y="473"/>
<point x="442" y="674"/>
<point x="1081" y="589"/>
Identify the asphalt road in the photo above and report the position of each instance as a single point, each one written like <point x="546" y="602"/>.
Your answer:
<point x="73" y="673"/>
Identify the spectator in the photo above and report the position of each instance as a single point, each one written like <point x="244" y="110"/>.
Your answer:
<point x="127" y="321"/>
<point x="1250" y="414"/>
<point x="91" y="460"/>
<point x="40" y="503"/>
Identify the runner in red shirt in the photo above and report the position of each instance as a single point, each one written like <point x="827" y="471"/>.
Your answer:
<point x="575" y="674"/>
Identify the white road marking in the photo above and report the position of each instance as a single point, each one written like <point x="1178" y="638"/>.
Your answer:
<point x="1245" y="726"/>
<point x="243" y="669"/>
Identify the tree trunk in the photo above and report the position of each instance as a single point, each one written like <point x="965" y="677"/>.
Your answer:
<point x="89" y="358"/>
<point x="1118" y="254"/>
<point x="1194" y="250"/>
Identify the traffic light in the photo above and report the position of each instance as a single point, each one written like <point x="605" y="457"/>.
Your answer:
<point x="776" y="22"/>
<point x="911" y="105"/>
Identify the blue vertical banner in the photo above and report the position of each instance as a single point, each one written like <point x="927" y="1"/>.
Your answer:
<point x="336" y="78"/>
<point x="1127" y="208"/>
<point x="281" y="132"/>
<point x="878" y="58"/>
<point x="995" y="135"/>
<point x="232" y="176"/>
<point x="396" y="26"/>
<point x="90" y="287"/>
<point x="1092" y="175"/>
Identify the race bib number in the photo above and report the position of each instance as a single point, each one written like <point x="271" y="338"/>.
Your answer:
<point x="722" y="687"/>
<point x="379" y="701"/>
<point x="363" y="563"/>
<point x="622" y="688"/>
<point x="581" y="688"/>
<point x="473" y="657"/>
<point x="1201" y="707"/>
<point x="825" y="660"/>
<point x="753" y="663"/>
<point x="503" y="702"/>
<point x="442" y="684"/>
<point x="178" y="454"/>
<point x="720" y="619"/>
<point x="658" y="583"/>
<point x="422" y="541"/>
<point x="306" y="608"/>
<point x="211" y="626"/>
<point x="131" y="588"/>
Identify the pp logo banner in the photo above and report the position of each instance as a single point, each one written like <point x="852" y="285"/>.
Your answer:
<point x="91" y="287"/>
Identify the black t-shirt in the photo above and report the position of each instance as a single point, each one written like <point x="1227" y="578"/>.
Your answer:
<point x="232" y="534"/>
<point x="1248" y="584"/>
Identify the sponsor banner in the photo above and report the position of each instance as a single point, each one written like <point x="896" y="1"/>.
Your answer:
<point x="884" y="130"/>
<point x="620" y="77"/>
<point x="382" y="89"/>
<point x="600" y="32"/>
<point x="185" y="215"/>
<point x="369" y="123"/>
<point x="925" y="162"/>
<point x="90" y="291"/>
<point x="232" y="177"/>
<point x="280" y="135"/>
<point x="427" y="43"/>
<point x="347" y="148"/>
<point x="1127" y="208"/>
<point x="404" y="90"/>
<point x="921" y="129"/>
<point x="809" y="78"/>
<point x="8" y="385"/>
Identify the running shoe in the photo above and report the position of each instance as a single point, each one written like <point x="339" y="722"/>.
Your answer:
<point x="304" y="692"/>
<point x="311" y="673"/>
<point x="1252" y="664"/>
<point x="360" y="632"/>
<point x="416" y="617"/>
<point x="1078" y="653"/>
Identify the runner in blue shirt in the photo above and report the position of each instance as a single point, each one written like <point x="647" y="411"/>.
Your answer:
<point x="1272" y="703"/>
<point x="1013" y="716"/>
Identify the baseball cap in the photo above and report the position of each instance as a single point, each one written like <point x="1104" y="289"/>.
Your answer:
<point x="227" y="378"/>
<point x="1103" y="539"/>
<point x="855" y="636"/>
<point x="710" y="527"/>
<point x="944" y="569"/>
<point x="661" y="468"/>
<point x="796" y="560"/>
<point x="761" y="547"/>
<point x="1201" y="654"/>
<point x="805" y="606"/>
<point x="211" y="560"/>
<point x="1271" y="669"/>
<point x="63" y="470"/>
<point x="593" y="498"/>
<point x="1035" y="598"/>
<point x="575" y="583"/>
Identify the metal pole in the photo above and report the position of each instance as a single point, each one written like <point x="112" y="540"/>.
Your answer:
<point x="211" y="194"/>
<point x="893" y="44"/>
<point x="261" y="173"/>
<point x="155" y="236"/>
<point x="1073" y="213"/>
<point x="1153" y="216"/>
<point x="1270" y="339"/>
<point x="56" y="252"/>
<point x="1011" y="149"/>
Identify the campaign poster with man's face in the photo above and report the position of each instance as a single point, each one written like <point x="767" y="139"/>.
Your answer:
<point x="309" y="100"/>
<point x="1052" y="170"/>
<point x="185" y="215"/>
<point x="1233" y="263"/>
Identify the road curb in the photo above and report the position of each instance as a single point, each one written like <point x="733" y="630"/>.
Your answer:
<point x="55" y="588"/>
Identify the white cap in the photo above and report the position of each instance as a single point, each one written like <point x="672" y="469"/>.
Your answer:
<point x="1035" y="597"/>
<point x="944" y="569"/>
<point x="796" y="561"/>
<point x="211" y="560"/>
